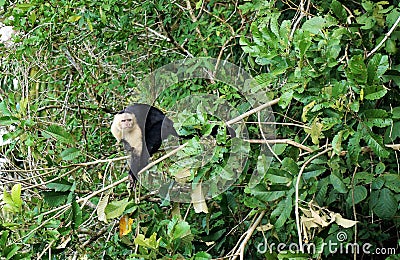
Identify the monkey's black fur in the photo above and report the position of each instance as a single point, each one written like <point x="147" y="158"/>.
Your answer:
<point x="155" y="127"/>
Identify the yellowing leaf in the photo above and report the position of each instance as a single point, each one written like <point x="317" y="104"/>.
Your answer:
<point x="265" y="227"/>
<point x="306" y="109"/>
<point x="74" y="18"/>
<point x="101" y="215"/>
<point x="151" y="242"/>
<point x="125" y="225"/>
<point x="316" y="130"/>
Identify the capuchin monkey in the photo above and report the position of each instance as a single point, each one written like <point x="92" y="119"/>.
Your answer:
<point x="142" y="128"/>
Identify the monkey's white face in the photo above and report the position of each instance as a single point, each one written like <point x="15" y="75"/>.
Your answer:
<point x="126" y="121"/>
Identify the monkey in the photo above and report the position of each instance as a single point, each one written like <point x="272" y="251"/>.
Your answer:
<point x="141" y="128"/>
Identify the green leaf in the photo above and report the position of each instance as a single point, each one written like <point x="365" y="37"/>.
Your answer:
<point x="202" y="256"/>
<point x="374" y="92"/>
<point x="354" y="148"/>
<point x="59" y="134"/>
<point x="337" y="143"/>
<point x="4" y="109"/>
<point x="13" y="249"/>
<point x="285" y="214"/>
<point x="377" y="66"/>
<point x="314" y="25"/>
<point x="76" y="215"/>
<point x="380" y="168"/>
<point x="289" y="165"/>
<point x="377" y="183"/>
<point x="70" y="154"/>
<point x="116" y="208"/>
<point x="338" y="10"/>
<point x="151" y="242"/>
<point x="338" y="183"/>
<point x="285" y="99"/>
<point x="392" y="181"/>
<point x="358" y="70"/>
<point x="8" y="120"/>
<point x="360" y="194"/>
<point x="60" y="185"/>
<point x="261" y="193"/>
<point x="307" y="108"/>
<point x="54" y="198"/>
<point x="376" y="143"/>
<point x="16" y="195"/>
<point x="181" y="230"/>
<point x="386" y="205"/>
<point x="396" y="113"/>
<point x="376" y="117"/>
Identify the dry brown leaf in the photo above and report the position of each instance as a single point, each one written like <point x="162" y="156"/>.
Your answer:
<point x="199" y="203"/>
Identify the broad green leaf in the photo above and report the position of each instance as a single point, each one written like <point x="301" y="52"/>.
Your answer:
<point x="376" y="143"/>
<point x="4" y="109"/>
<point x="380" y="168"/>
<point x="202" y="256"/>
<point x="396" y="113"/>
<point x="377" y="66"/>
<point x="338" y="10"/>
<point x="8" y="120"/>
<point x="337" y="183"/>
<point x="181" y="230"/>
<point x="386" y="205"/>
<point x="261" y="193"/>
<point x="289" y="165"/>
<point x="360" y="194"/>
<point x="358" y="70"/>
<point x="315" y="173"/>
<point x="375" y="92"/>
<point x="54" y="198"/>
<point x="392" y="181"/>
<point x="151" y="242"/>
<point x="285" y="99"/>
<point x="59" y="134"/>
<point x="70" y="154"/>
<point x="286" y="212"/>
<point x="354" y="148"/>
<point x="59" y="185"/>
<point x="12" y="252"/>
<point x="16" y="195"/>
<point x="314" y="25"/>
<point x="116" y="208"/>
<point x="377" y="183"/>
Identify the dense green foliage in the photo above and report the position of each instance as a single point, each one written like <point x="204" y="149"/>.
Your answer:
<point x="335" y="159"/>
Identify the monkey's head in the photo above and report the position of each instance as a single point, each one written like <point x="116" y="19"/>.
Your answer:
<point x="126" y="121"/>
<point x="123" y="124"/>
